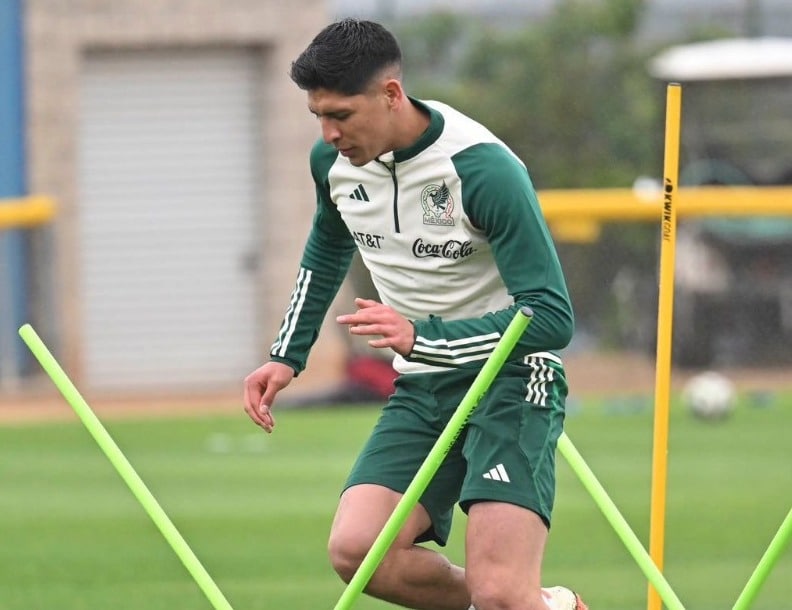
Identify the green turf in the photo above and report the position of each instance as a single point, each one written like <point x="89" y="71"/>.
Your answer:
<point x="256" y="509"/>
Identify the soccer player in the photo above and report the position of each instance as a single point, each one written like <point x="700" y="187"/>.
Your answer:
<point x="447" y="222"/>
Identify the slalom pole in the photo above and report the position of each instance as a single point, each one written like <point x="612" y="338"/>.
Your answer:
<point x="766" y="563"/>
<point x="124" y="468"/>
<point x="618" y="522"/>
<point x="435" y="458"/>
<point x="665" y="317"/>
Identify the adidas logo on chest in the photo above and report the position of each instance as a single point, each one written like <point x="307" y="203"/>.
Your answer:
<point x="359" y="193"/>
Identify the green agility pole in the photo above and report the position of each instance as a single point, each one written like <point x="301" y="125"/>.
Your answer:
<point x="124" y="468"/>
<point x="618" y="522"/>
<point x="435" y="458"/>
<point x="762" y="571"/>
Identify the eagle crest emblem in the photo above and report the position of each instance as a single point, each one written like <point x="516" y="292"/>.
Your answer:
<point x="438" y="205"/>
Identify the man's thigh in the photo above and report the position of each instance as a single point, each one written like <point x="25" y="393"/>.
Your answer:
<point x="504" y="544"/>
<point x="362" y="513"/>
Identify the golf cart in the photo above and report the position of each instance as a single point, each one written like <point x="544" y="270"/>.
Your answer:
<point x="733" y="278"/>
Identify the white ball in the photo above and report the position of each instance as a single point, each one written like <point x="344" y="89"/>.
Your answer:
<point x="710" y="395"/>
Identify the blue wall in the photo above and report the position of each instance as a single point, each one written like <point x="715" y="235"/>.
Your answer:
<point x="13" y="290"/>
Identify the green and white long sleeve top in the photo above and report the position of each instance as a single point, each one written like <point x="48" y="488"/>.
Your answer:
<point x="454" y="238"/>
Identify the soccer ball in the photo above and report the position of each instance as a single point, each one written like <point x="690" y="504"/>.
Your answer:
<point x="709" y="395"/>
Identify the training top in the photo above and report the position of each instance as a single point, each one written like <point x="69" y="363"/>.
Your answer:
<point x="452" y="234"/>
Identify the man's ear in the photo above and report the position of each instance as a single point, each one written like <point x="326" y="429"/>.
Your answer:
<point x="393" y="93"/>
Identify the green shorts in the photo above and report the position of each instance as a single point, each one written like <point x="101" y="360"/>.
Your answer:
<point x="505" y="453"/>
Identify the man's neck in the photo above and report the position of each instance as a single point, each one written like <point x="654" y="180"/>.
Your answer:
<point x="412" y="126"/>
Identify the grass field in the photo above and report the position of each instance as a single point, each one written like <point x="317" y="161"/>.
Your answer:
<point x="256" y="509"/>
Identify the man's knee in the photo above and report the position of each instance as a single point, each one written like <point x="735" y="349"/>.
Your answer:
<point x="346" y="553"/>
<point x="362" y="513"/>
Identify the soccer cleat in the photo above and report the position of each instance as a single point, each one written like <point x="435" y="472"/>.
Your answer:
<point x="561" y="598"/>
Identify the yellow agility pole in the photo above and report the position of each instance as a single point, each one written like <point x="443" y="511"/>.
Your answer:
<point x="26" y="212"/>
<point x="665" y="316"/>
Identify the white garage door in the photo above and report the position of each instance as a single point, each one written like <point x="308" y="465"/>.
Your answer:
<point x="167" y="192"/>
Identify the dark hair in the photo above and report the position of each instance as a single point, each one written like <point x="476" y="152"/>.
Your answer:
<point x="345" y="56"/>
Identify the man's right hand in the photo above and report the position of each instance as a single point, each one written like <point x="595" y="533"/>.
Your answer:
<point x="261" y="386"/>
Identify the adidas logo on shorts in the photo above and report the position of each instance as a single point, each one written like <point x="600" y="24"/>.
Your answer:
<point x="498" y="474"/>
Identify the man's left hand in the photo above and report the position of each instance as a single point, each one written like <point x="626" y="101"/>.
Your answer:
<point x="374" y="318"/>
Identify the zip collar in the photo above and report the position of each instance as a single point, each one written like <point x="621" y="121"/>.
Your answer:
<point x="427" y="138"/>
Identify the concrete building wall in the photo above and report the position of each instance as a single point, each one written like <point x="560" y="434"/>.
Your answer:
<point x="58" y="34"/>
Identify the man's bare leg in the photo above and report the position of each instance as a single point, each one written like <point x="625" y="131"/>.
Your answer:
<point x="409" y="575"/>
<point x="504" y="549"/>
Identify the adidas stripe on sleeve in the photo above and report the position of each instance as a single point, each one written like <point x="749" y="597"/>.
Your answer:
<point x="456" y="353"/>
<point x="281" y="345"/>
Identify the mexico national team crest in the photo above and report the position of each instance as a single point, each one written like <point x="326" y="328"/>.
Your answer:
<point x="438" y="205"/>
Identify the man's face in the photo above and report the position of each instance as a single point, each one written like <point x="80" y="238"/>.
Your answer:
<point x="357" y="125"/>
